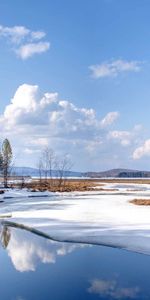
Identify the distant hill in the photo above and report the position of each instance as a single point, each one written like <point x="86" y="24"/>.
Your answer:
<point x="119" y="173"/>
<point x="33" y="172"/>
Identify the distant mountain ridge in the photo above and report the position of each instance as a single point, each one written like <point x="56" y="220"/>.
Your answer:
<point x="118" y="173"/>
<point x="33" y="172"/>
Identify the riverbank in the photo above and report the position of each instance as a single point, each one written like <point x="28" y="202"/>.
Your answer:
<point x="72" y="185"/>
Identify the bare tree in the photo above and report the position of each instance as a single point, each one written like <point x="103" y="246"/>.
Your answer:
<point x="40" y="169"/>
<point x="1" y="163"/>
<point x="51" y="161"/>
<point x="46" y="164"/>
<point x="63" y="166"/>
<point x="22" y="185"/>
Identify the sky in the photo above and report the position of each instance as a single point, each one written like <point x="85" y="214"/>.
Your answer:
<point x="75" y="77"/>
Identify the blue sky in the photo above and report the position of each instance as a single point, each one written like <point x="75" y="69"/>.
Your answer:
<point x="93" y="54"/>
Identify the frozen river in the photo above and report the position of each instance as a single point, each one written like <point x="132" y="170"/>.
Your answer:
<point x="95" y="217"/>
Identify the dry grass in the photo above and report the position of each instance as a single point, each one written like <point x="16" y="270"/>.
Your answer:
<point x="78" y="184"/>
<point x="53" y="185"/>
<point x="134" y="190"/>
<point x="70" y="185"/>
<point x="123" y="180"/>
<point x="106" y="190"/>
<point x="145" y="202"/>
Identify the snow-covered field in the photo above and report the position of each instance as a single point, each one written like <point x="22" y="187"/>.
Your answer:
<point x="99" y="217"/>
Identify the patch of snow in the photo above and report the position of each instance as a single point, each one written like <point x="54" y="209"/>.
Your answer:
<point x="86" y="217"/>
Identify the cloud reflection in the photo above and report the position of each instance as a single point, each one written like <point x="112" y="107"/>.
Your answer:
<point x="112" y="289"/>
<point x="26" y="250"/>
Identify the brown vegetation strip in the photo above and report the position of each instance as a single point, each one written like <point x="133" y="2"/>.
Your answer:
<point x="106" y="190"/>
<point x="53" y="185"/>
<point x="124" y="180"/>
<point x="140" y="202"/>
<point x="134" y="190"/>
<point x="70" y="185"/>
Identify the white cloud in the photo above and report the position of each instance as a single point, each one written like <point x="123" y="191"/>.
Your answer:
<point x="33" y="120"/>
<point x="143" y="150"/>
<point x="50" y="114"/>
<point x="30" y="49"/>
<point x="40" y="142"/>
<point x="16" y="34"/>
<point x="25" y="42"/>
<point x="114" y="68"/>
<point x="38" y="35"/>
<point x="30" y="151"/>
<point x="106" y="288"/>
<point x="109" y="118"/>
<point x="124" y="137"/>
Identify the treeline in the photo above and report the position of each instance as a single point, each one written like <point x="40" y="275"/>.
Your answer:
<point x="135" y="174"/>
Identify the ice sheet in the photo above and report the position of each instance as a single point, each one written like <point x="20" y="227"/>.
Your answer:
<point x="105" y="218"/>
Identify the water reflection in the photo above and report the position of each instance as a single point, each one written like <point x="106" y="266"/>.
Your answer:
<point x="5" y="236"/>
<point x="42" y="269"/>
<point x="111" y="288"/>
<point x="26" y="250"/>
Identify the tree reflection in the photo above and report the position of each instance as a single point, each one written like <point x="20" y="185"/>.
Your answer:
<point x="5" y="236"/>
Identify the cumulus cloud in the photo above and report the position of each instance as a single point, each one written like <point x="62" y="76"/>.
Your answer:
<point x="33" y="120"/>
<point x="143" y="150"/>
<point x="28" y="106"/>
<point x="25" y="42"/>
<point x="106" y="288"/>
<point x="114" y="68"/>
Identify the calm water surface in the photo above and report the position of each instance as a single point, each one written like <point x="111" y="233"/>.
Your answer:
<point x="35" y="268"/>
